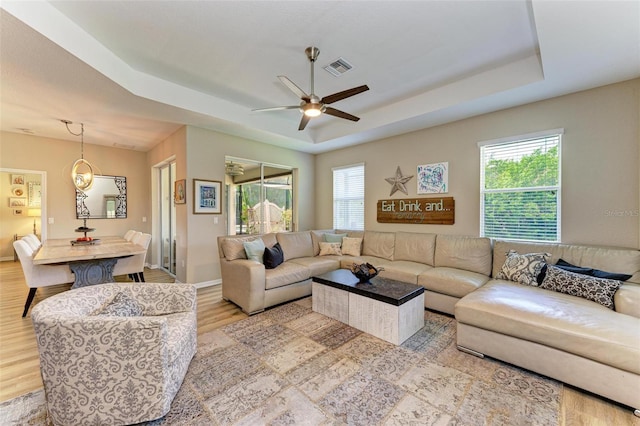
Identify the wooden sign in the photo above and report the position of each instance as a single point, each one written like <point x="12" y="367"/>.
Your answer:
<point x="438" y="211"/>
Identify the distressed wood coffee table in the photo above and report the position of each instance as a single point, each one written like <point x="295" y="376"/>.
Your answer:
<point x="388" y="309"/>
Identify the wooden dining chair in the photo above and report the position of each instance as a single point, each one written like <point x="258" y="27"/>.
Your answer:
<point x="37" y="276"/>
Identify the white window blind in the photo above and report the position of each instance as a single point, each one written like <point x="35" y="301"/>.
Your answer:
<point x="520" y="188"/>
<point x="348" y="197"/>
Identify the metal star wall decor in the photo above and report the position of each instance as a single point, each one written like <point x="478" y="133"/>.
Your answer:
<point x="398" y="182"/>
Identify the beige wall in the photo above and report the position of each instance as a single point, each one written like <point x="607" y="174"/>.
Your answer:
<point x="55" y="157"/>
<point x="600" y="162"/>
<point x="206" y="151"/>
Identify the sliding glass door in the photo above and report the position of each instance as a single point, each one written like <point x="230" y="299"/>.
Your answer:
<point x="260" y="197"/>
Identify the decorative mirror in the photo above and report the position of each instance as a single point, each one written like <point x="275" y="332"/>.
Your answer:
<point x="106" y="199"/>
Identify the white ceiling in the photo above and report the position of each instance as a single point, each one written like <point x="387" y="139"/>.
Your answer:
<point x="135" y="71"/>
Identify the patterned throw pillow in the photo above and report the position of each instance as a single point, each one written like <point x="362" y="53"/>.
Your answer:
<point x="523" y="268"/>
<point x="351" y="246"/>
<point x="327" y="249"/>
<point x="599" y="290"/>
<point x="121" y="305"/>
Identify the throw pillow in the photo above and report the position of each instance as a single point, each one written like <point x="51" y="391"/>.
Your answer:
<point x="273" y="256"/>
<point x="523" y="268"/>
<point x="333" y="238"/>
<point x="563" y="264"/>
<point x="327" y="249"/>
<point x="121" y="305"/>
<point x="599" y="290"/>
<point x="351" y="246"/>
<point x="254" y="249"/>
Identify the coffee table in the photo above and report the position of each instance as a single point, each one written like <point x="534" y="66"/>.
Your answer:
<point x="388" y="309"/>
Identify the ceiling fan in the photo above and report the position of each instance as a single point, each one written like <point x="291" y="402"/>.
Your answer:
<point x="311" y="105"/>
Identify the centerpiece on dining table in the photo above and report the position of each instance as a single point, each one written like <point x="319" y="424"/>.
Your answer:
<point x="365" y="271"/>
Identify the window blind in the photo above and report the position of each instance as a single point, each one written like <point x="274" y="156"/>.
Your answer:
<point x="520" y="189"/>
<point x="348" y="197"/>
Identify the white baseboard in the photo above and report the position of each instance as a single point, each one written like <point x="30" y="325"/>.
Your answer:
<point x="6" y="259"/>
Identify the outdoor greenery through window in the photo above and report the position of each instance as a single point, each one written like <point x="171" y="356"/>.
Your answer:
<point x="520" y="188"/>
<point x="348" y="197"/>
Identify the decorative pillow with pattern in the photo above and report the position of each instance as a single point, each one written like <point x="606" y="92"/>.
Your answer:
<point x="599" y="290"/>
<point x="351" y="246"/>
<point x="327" y="249"/>
<point x="121" y="305"/>
<point x="523" y="268"/>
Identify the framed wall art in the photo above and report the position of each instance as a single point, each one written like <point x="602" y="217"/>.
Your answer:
<point x="433" y="178"/>
<point x="180" y="191"/>
<point x="17" y="179"/>
<point x="35" y="194"/>
<point x="17" y="202"/>
<point x="207" y="197"/>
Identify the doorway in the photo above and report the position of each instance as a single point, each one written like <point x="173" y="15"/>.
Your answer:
<point x="167" y="178"/>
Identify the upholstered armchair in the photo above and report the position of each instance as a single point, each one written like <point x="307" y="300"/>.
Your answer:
<point x="115" y="353"/>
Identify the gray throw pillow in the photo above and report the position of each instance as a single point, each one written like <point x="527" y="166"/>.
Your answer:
<point x="599" y="290"/>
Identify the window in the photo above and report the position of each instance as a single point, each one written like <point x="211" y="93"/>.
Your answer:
<point x="348" y="197"/>
<point x="520" y="187"/>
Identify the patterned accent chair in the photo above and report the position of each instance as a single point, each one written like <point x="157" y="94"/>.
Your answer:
<point x="115" y="353"/>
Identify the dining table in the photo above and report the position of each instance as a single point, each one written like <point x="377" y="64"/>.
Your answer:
<point x="91" y="262"/>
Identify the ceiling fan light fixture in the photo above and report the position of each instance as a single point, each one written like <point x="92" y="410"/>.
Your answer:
<point x="312" y="110"/>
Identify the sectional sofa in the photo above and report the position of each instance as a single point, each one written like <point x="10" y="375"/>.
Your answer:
<point x="570" y="338"/>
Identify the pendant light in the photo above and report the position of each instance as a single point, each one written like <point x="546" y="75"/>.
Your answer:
<point x="81" y="171"/>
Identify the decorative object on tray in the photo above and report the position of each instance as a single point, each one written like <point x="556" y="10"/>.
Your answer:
<point x="398" y="182"/>
<point x="84" y="240"/>
<point x="365" y="271"/>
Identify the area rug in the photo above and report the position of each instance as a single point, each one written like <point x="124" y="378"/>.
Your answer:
<point x="290" y="365"/>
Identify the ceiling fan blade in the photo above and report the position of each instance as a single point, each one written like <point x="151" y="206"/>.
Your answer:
<point x="340" y="114"/>
<point x="303" y="122"/>
<point x="344" y="94"/>
<point x="292" y="86"/>
<point x="278" y="108"/>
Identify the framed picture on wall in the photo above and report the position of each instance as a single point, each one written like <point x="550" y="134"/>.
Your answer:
<point x="180" y="191"/>
<point x="17" y="179"/>
<point x="17" y="202"/>
<point x="207" y="197"/>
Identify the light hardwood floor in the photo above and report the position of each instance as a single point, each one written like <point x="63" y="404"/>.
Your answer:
<point x="19" y="368"/>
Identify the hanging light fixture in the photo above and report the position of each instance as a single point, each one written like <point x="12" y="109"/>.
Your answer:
<point x="81" y="171"/>
<point x="234" y="169"/>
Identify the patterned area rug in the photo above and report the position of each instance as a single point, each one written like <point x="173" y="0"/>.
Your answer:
<point x="290" y="365"/>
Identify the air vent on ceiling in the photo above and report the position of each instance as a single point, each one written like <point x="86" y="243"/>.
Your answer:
<point x="338" y="67"/>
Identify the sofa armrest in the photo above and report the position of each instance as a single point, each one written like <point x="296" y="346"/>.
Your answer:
<point x="627" y="300"/>
<point x="243" y="282"/>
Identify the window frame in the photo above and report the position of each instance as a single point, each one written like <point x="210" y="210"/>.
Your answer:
<point x="512" y="140"/>
<point x="334" y="199"/>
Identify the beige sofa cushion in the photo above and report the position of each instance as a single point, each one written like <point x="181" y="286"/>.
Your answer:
<point x="404" y="270"/>
<point x="468" y="253"/>
<point x="415" y="247"/>
<point x="568" y="323"/>
<point x="233" y="247"/>
<point x="451" y="281"/>
<point x="285" y="274"/>
<point x="623" y="261"/>
<point x="627" y="299"/>
<point x="295" y="244"/>
<point x="378" y="244"/>
<point x="319" y="265"/>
